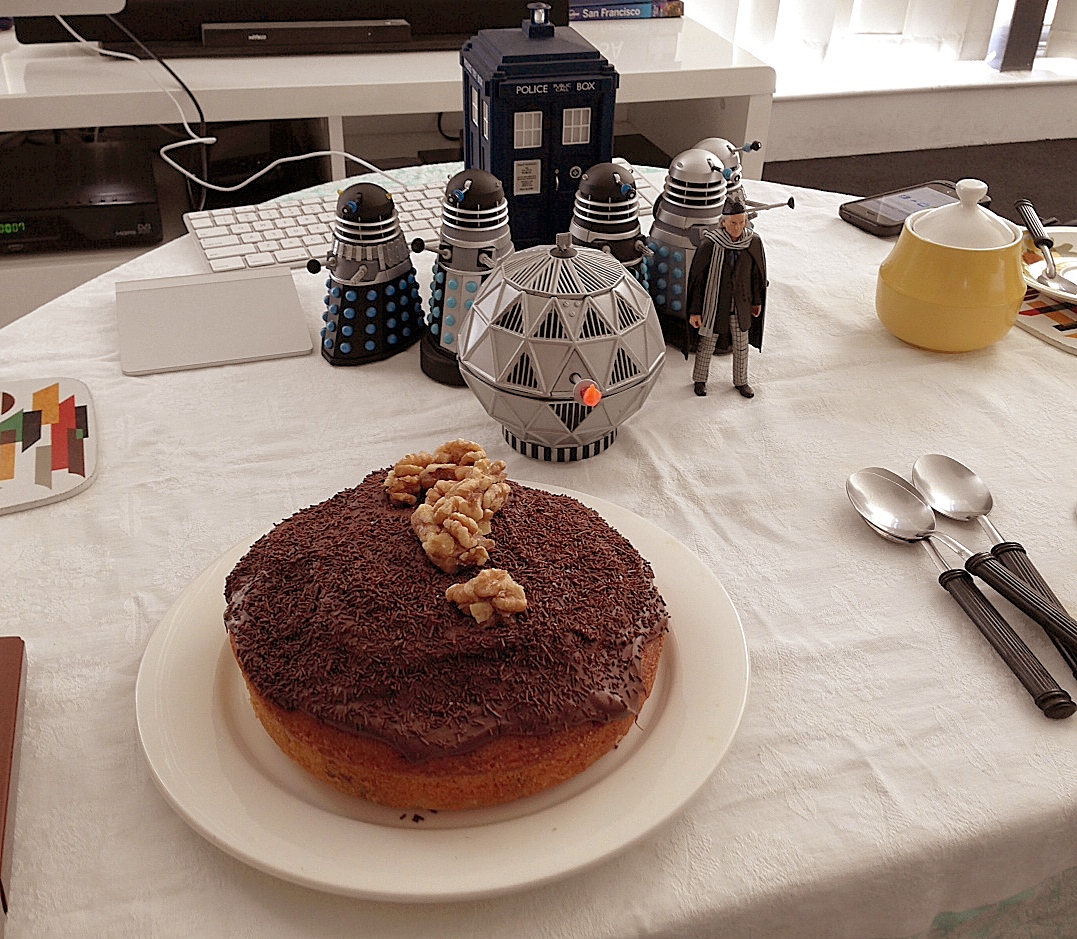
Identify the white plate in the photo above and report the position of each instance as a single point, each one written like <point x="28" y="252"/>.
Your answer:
<point x="221" y="772"/>
<point x="1065" y="255"/>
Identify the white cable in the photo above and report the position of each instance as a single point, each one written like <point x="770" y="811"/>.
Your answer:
<point x="167" y="148"/>
<point x="194" y="138"/>
<point x="89" y="47"/>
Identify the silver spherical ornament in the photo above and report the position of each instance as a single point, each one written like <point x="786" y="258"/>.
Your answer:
<point x="561" y="346"/>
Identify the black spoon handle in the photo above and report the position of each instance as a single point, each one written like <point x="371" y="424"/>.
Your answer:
<point x="1040" y="238"/>
<point x="1056" y="621"/>
<point x="1045" y="691"/>
<point x="1016" y="559"/>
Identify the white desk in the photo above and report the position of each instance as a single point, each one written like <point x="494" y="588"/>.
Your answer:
<point x="679" y="82"/>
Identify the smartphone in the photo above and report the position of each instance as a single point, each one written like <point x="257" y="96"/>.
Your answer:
<point x="884" y="214"/>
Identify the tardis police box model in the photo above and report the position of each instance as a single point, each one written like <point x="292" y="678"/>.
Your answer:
<point x="538" y="109"/>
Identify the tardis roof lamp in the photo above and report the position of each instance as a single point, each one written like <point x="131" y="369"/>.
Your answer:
<point x="539" y="26"/>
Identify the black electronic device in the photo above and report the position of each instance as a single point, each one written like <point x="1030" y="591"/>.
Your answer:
<point x="884" y="213"/>
<point x="77" y="196"/>
<point x="174" y="28"/>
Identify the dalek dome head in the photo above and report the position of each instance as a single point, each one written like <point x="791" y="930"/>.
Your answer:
<point x="365" y="214"/>
<point x="561" y="346"/>
<point x="475" y="200"/>
<point x="608" y="183"/>
<point x="728" y="154"/>
<point x="364" y="202"/>
<point x="696" y="179"/>
<point x="606" y="198"/>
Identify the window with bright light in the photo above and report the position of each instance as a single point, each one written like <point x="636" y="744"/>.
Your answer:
<point x="792" y="31"/>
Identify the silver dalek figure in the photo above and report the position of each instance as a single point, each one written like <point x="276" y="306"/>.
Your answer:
<point x="691" y="202"/>
<point x="373" y="309"/>
<point x="606" y="216"/>
<point x="475" y="239"/>
<point x="561" y="347"/>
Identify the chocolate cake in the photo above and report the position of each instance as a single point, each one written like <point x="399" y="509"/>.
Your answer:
<point x="365" y="673"/>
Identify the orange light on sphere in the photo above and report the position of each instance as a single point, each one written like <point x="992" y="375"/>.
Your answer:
<point x="588" y="393"/>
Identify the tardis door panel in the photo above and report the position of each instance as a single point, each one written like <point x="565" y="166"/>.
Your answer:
<point x="580" y="139"/>
<point x="550" y="139"/>
<point x="538" y="137"/>
<point x="520" y="156"/>
<point x="527" y="161"/>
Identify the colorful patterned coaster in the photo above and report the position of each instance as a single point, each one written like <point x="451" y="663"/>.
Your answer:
<point x="1054" y="321"/>
<point x="48" y="441"/>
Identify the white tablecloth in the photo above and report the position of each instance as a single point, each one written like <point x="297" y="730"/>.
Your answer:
<point x="889" y="772"/>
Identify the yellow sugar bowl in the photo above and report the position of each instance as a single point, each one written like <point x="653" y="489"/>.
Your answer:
<point x="953" y="281"/>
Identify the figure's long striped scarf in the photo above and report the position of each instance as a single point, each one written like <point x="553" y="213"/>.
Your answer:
<point x="722" y="240"/>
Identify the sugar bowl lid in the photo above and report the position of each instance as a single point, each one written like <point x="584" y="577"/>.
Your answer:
<point x="965" y="223"/>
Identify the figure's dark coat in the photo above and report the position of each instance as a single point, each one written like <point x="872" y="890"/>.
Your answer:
<point x="745" y="289"/>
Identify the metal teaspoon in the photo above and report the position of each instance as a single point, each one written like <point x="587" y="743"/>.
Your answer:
<point x="1048" y="696"/>
<point x="1050" y="277"/>
<point x="906" y="515"/>
<point x="954" y="490"/>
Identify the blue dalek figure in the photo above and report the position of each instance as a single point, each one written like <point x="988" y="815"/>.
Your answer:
<point x="691" y="202"/>
<point x="538" y="110"/>
<point x="373" y="308"/>
<point x="475" y="239"/>
<point x="606" y="216"/>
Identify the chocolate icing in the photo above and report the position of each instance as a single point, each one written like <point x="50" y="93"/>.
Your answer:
<point x="337" y="612"/>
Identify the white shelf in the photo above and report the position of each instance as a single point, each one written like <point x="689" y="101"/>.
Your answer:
<point x="703" y="84"/>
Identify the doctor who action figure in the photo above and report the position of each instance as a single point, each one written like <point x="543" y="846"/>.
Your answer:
<point x="726" y="295"/>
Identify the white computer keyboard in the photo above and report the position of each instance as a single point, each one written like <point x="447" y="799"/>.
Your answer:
<point x="288" y="233"/>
